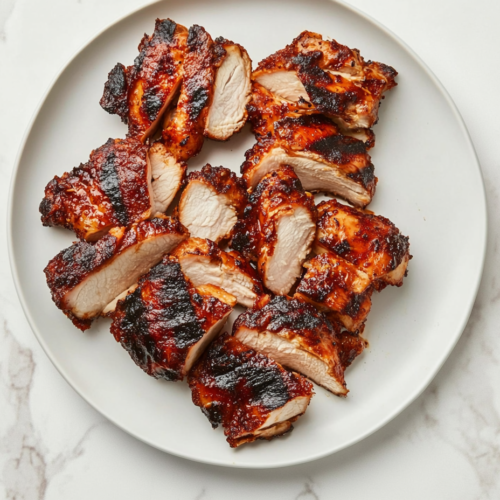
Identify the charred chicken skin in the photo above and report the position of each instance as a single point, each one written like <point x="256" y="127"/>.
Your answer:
<point x="85" y="277"/>
<point x="211" y="202"/>
<point x="183" y="131"/>
<point x="296" y="335"/>
<point x="323" y="158"/>
<point x="166" y="323"/>
<point x="232" y="90"/>
<point x="328" y="77"/>
<point x="204" y="263"/>
<point x="370" y="242"/>
<point x="141" y="93"/>
<point x="252" y="396"/>
<point x="338" y="287"/>
<point x="277" y="229"/>
<point x="112" y="189"/>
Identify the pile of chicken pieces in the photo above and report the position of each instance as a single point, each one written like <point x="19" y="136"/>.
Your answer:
<point x="304" y="272"/>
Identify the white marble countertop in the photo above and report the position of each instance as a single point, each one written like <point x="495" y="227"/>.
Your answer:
<point x="446" y="445"/>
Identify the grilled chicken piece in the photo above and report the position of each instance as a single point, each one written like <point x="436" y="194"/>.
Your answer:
<point x="328" y="77"/>
<point x="371" y="242"/>
<point x="85" y="277"/>
<point x="323" y="158"/>
<point x="296" y="335"/>
<point x="183" y="132"/>
<point x="167" y="175"/>
<point x="166" y="323"/>
<point x="232" y="92"/>
<point x="277" y="229"/>
<point x="252" y="396"/>
<point x="338" y="287"/>
<point x="350" y="346"/>
<point x="266" y="110"/>
<point x="211" y="202"/>
<point x="112" y="189"/>
<point x="141" y="93"/>
<point x="203" y="262"/>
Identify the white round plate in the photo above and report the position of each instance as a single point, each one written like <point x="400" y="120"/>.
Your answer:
<point x="430" y="186"/>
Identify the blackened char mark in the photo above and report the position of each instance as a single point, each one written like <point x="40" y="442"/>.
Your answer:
<point x="365" y="176"/>
<point x="338" y="149"/>
<point x="114" y="98"/>
<point x="110" y="183"/>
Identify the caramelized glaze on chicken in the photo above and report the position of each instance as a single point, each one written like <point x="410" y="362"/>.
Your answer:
<point x="371" y="242"/>
<point x="211" y="202"/>
<point x="277" y="229"/>
<point x="296" y="335"/>
<point x="141" y="93"/>
<point x="112" y="189"/>
<point x="183" y="132"/>
<point x="203" y="262"/>
<point x="328" y="77"/>
<point x="85" y="277"/>
<point x="251" y="395"/>
<point x="336" y="286"/>
<point x="166" y="323"/>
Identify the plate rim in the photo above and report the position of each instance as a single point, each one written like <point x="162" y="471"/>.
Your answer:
<point x="425" y="381"/>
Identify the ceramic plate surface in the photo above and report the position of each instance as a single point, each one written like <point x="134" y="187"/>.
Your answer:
<point x="430" y="186"/>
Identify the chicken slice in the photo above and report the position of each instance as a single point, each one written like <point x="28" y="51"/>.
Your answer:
<point x="323" y="158"/>
<point x="85" y="277"/>
<point x="327" y="77"/>
<point x="232" y="92"/>
<point x="183" y="132"/>
<point x="297" y="336"/>
<point x="167" y="176"/>
<point x="252" y="396"/>
<point x="211" y="202"/>
<point x="336" y="286"/>
<point x="112" y="189"/>
<point x="277" y="229"/>
<point x="165" y="324"/>
<point x="141" y="93"/>
<point x="203" y="262"/>
<point x="371" y="242"/>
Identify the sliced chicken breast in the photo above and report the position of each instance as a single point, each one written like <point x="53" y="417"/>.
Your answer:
<point x="112" y="189"/>
<point x="85" y="278"/>
<point x="323" y="158"/>
<point x="370" y="242"/>
<point x="327" y="77"/>
<point x="252" y="396"/>
<point x="337" y="287"/>
<point x="167" y="175"/>
<point x="278" y="229"/>
<point x="165" y="324"/>
<point x="203" y="262"/>
<point x="232" y="92"/>
<point x="211" y="202"/>
<point x="297" y="336"/>
<point x="141" y="93"/>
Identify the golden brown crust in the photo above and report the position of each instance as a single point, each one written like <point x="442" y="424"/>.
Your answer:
<point x="112" y="189"/>
<point x="336" y="286"/>
<point x="254" y="235"/>
<point x="239" y="388"/>
<point x="370" y="242"/>
<point x="74" y="264"/>
<point x="337" y="80"/>
<point x="163" y="319"/>
<point x="140" y="93"/>
<point x="183" y="134"/>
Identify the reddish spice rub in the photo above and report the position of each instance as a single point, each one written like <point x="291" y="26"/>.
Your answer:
<point x="112" y="189"/>
<point x="165" y="323"/>
<point x="141" y="93"/>
<point x="370" y="242"/>
<point x="243" y="390"/>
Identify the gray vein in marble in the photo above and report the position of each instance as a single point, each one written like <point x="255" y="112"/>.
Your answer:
<point x="308" y="492"/>
<point x="27" y="472"/>
<point x="6" y="9"/>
